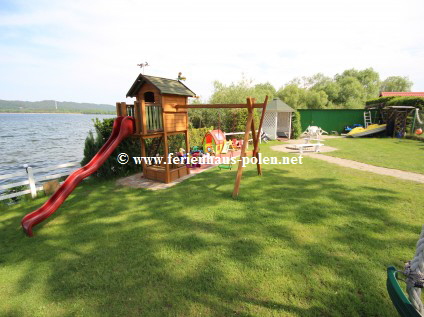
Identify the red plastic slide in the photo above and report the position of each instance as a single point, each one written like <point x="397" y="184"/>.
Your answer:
<point x="122" y="128"/>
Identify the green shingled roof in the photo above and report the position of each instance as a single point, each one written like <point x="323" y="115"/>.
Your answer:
<point x="279" y="106"/>
<point x="165" y="86"/>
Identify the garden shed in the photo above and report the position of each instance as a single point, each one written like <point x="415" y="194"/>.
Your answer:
<point x="278" y="119"/>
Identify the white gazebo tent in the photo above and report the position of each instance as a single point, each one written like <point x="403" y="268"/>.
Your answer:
<point x="277" y="119"/>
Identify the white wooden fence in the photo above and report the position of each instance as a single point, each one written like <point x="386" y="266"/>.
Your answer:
<point x="32" y="180"/>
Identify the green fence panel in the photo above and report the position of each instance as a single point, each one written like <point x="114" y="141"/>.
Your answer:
<point x="332" y="119"/>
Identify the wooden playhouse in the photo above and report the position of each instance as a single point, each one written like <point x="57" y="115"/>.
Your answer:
<point x="156" y="116"/>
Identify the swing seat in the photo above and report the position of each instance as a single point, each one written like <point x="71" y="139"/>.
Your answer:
<point x="224" y="167"/>
<point x="398" y="297"/>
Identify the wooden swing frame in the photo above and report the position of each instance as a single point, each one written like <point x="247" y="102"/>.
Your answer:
<point x="250" y="127"/>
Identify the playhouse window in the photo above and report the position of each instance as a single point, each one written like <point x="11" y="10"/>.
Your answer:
<point x="149" y="96"/>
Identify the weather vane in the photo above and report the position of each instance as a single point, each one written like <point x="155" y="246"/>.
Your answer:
<point x="142" y="66"/>
<point x="180" y="76"/>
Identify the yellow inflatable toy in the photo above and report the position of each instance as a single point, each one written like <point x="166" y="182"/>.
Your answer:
<point x="371" y="129"/>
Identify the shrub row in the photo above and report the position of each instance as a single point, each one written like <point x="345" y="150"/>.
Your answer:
<point x="396" y="101"/>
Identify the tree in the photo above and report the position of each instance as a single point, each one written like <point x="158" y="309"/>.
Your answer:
<point x="231" y="119"/>
<point x="368" y="78"/>
<point x="293" y="95"/>
<point x="352" y="92"/>
<point x="315" y="80"/>
<point x="331" y="89"/>
<point x="396" y="83"/>
<point x="316" y="99"/>
<point x="263" y="90"/>
<point x="233" y="93"/>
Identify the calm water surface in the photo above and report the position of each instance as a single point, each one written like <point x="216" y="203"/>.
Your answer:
<point x="42" y="140"/>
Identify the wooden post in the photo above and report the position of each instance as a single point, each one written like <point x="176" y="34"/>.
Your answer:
<point x="143" y="118"/>
<point x="124" y="109"/>
<point x="255" y="151"/>
<point x="255" y="146"/>
<point x="254" y="136"/>
<point x="31" y="180"/>
<point x="165" y="145"/>
<point x="118" y="109"/>
<point x="243" y="148"/>
<point x="137" y="116"/>
<point x="165" y="157"/>
<point x="187" y="141"/>
<point x="143" y="154"/>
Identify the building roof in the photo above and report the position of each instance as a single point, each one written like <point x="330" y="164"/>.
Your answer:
<point x="277" y="105"/>
<point x="401" y="94"/>
<point x="165" y="86"/>
<point x="218" y="136"/>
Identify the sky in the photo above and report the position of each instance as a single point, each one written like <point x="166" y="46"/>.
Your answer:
<point x="88" y="51"/>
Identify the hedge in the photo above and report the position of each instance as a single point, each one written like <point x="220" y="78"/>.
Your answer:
<point x="378" y="101"/>
<point x="296" y="125"/>
<point x="396" y="101"/>
<point x="407" y="101"/>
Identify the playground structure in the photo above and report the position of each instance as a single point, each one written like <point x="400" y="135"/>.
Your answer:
<point x="393" y="117"/>
<point x="157" y="117"/>
<point x="160" y="111"/>
<point x="214" y="142"/>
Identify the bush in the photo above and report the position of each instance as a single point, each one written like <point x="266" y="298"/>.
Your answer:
<point x="111" y="168"/>
<point x="17" y="199"/>
<point x="414" y="137"/>
<point x="396" y="101"/>
<point x="196" y="135"/>
<point x="175" y="142"/>
<point x="228" y="120"/>
<point x="381" y="101"/>
<point x="296" y="126"/>
<point x="417" y="102"/>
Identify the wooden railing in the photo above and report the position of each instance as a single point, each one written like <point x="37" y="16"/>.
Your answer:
<point x="33" y="180"/>
<point x="154" y="117"/>
<point x="130" y="110"/>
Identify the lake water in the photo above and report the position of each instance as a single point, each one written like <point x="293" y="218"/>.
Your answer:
<point x="42" y="140"/>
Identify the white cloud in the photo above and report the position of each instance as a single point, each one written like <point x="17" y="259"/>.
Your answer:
<point x="88" y="50"/>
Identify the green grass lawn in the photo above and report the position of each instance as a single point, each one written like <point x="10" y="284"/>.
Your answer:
<point x="402" y="154"/>
<point x="302" y="240"/>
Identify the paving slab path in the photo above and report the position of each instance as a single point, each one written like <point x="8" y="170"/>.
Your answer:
<point x="410" y="176"/>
